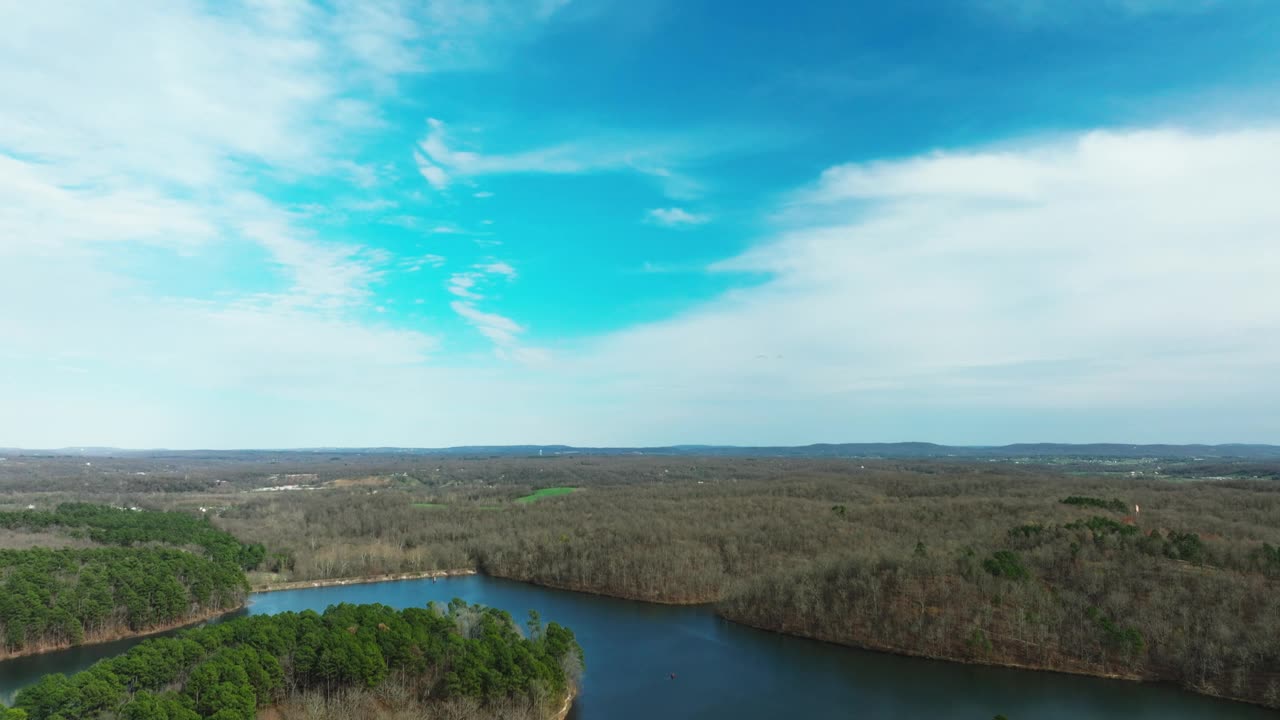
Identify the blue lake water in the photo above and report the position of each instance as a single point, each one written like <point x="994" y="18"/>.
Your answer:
<point x="729" y="672"/>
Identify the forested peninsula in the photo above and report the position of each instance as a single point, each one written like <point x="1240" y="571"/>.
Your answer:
<point x="459" y="661"/>
<point x="118" y="572"/>
<point x="1098" y="596"/>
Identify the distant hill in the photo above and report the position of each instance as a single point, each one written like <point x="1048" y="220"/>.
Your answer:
<point x="820" y="450"/>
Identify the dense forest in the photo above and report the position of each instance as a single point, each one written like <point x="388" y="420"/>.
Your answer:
<point x="992" y="563"/>
<point x="459" y="662"/>
<point x="59" y="598"/>
<point x="1109" y="568"/>
<point x="136" y="571"/>
<point x="1096" y="595"/>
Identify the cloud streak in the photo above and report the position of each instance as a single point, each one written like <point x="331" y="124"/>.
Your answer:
<point x="502" y="331"/>
<point x="676" y="217"/>
<point x="441" y="163"/>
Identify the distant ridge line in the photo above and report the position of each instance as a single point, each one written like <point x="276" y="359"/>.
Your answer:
<point x="816" y="450"/>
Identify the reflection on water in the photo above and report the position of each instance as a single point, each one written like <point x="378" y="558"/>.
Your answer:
<point x="728" y="672"/>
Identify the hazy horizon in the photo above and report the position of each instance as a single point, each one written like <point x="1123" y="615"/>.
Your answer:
<point x="575" y="447"/>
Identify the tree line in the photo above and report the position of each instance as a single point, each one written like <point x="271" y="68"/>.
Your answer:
<point x="140" y="579"/>
<point x="128" y="527"/>
<point x="428" y="656"/>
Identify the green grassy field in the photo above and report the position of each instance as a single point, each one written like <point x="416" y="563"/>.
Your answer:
<point x="545" y="493"/>
<point x="431" y="506"/>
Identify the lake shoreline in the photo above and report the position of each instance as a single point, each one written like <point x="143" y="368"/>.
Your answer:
<point x="464" y="572"/>
<point x="363" y="580"/>
<point x="563" y="712"/>
<point x="891" y="650"/>
<point x="600" y="593"/>
<point x="696" y="630"/>
<point x="1134" y="678"/>
<point x="101" y="638"/>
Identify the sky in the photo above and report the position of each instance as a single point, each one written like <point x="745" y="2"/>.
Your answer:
<point x="424" y="223"/>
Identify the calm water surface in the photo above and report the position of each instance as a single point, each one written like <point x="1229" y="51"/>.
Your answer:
<point x="728" y="672"/>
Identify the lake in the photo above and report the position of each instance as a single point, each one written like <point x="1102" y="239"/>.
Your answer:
<point x="729" y="672"/>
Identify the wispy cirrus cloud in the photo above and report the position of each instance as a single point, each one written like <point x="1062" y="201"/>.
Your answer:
<point x="470" y="287"/>
<point x="198" y="115"/>
<point x="441" y="162"/>
<point x="415" y="264"/>
<point x="461" y="284"/>
<point x="676" y="217"/>
<point x="498" y="267"/>
<point x="503" y="331"/>
<point x="469" y="283"/>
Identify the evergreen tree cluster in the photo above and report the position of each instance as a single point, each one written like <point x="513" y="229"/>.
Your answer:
<point x="142" y="580"/>
<point x="55" y="598"/>
<point x="229" y="670"/>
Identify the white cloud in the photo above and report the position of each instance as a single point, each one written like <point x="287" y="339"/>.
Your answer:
<point x="675" y="217"/>
<point x="504" y="333"/>
<point x="483" y="194"/>
<point x="166" y="82"/>
<point x="501" y="330"/>
<point x="434" y="174"/>
<point x="498" y="267"/>
<point x="498" y="328"/>
<point x="1127" y="274"/>
<point x="995" y="175"/>
<point x="161" y="157"/>
<point x="144" y="138"/>
<point x="415" y="264"/>
<point x="319" y="273"/>
<point x="461" y="284"/>
<point x="111" y="326"/>
<point x="392" y="37"/>
<point x="44" y="206"/>
<point x="467" y="284"/>
<point x="440" y="161"/>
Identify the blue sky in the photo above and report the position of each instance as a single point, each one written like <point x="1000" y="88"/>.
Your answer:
<point x="281" y="224"/>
